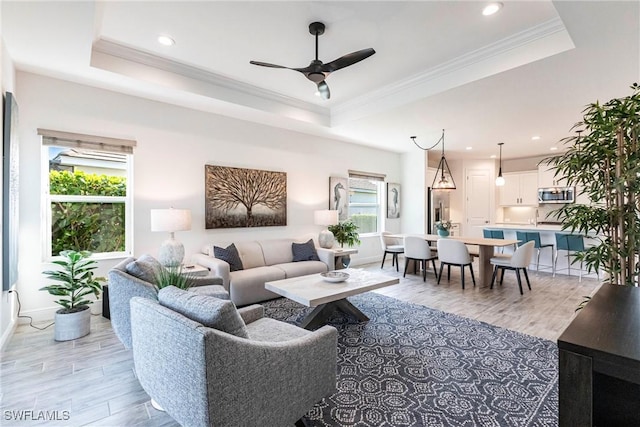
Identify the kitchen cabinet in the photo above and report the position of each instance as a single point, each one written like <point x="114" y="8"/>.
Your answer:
<point x="547" y="178"/>
<point x="519" y="189"/>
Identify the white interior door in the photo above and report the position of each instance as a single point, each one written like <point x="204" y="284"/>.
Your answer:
<point x="478" y="200"/>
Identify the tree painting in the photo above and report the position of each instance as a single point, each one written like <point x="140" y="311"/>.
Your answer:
<point x="237" y="197"/>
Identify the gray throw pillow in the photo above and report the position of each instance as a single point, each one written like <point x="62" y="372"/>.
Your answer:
<point x="145" y="268"/>
<point x="304" y="251"/>
<point x="210" y="311"/>
<point x="230" y="255"/>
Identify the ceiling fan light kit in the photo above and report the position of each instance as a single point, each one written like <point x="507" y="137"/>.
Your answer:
<point x="317" y="71"/>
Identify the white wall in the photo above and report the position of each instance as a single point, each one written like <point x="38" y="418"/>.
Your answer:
<point x="7" y="301"/>
<point x="414" y="193"/>
<point x="174" y="144"/>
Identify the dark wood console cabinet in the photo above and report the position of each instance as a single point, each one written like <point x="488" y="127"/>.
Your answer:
<point x="600" y="361"/>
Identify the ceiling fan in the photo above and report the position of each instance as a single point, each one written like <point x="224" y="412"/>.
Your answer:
<point x="317" y="71"/>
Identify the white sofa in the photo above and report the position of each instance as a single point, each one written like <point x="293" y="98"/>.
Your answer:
<point x="263" y="261"/>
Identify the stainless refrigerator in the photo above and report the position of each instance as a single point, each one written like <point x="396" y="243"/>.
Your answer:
<point x="437" y="207"/>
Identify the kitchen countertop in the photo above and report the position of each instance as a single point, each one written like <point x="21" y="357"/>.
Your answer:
<point x="523" y="226"/>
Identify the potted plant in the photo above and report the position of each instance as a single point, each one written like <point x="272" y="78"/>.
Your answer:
<point x="76" y="281"/>
<point x="442" y="228"/>
<point x="173" y="276"/>
<point x="345" y="232"/>
<point x="603" y="163"/>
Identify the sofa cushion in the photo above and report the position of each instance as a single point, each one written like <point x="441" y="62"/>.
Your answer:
<point x="247" y="286"/>
<point x="302" y="268"/>
<point x="145" y="268"/>
<point x="207" y="310"/>
<point x="230" y="256"/>
<point x="304" y="251"/>
<point x="250" y="254"/>
<point x="276" y="251"/>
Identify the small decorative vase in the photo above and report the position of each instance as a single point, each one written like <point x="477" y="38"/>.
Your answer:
<point x="346" y="260"/>
<point x="443" y="233"/>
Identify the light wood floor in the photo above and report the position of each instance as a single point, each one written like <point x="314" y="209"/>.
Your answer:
<point x="93" y="377"/>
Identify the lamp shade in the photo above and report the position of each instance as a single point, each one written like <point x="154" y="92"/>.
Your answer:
<point x="170" y="220"/>
<point x="325" y="217"/>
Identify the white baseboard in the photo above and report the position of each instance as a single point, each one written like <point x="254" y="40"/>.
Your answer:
<point x="8" y="333"/>
<point x="47" y="314"/>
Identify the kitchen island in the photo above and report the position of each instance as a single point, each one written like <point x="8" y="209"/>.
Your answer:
<point x="547" y="236"/>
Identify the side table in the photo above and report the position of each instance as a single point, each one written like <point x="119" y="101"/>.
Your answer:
<point x="194" y="270"/>
<point x="339" y="256"/>
<point x="599" y="366"/>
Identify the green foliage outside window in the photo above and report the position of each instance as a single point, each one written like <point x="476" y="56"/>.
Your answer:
<point x="367" y="223"/>
<point x="87" y="226"/>
<point x="80" y="183"/>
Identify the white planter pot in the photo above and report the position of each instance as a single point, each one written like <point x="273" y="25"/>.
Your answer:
<point x="72" y="325"/>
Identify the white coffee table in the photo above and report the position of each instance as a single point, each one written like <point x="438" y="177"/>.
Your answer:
<point x="313" y="291"/>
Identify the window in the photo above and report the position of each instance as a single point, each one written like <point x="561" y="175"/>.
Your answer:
<point x="365" y="201"/>
<point x="87" y="193"/>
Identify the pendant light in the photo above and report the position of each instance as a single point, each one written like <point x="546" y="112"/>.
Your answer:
<point x="500" y="178"/>
<point x="443" y="179"/>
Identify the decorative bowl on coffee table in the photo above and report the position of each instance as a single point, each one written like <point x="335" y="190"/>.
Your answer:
<point x="334" y="276"/>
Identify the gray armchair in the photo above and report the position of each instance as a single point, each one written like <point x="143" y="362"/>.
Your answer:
<point x="205" y="377"/>
<point x="124" y="286"/>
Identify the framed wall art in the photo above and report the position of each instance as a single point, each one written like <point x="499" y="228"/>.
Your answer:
<point x="339" y="196"/>
<point x="238" y="197"/>
<point x="393" y="200"/>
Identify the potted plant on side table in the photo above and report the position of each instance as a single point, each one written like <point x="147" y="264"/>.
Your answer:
<point x="345" y="232"/>
<point x="442" y="228"/>
<point x="76" y="281"/>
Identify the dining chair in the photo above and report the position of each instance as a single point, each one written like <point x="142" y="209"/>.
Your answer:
<point x="526" y="236"/>
<point x="519" y="261"/>
<point x="391" y="245"/>
<point x="454" y="252"/>
<point x="571" y="243"/>
<point x="418" y="250"/>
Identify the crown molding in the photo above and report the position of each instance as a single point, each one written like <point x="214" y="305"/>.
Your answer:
<point x="126" y="53"/>
<point x="384" y="97"/>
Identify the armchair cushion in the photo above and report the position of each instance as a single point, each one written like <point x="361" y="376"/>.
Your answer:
<point x="229" y="255"/>
<point x="207" y="310"/>
<point x="145" y="268"/>
<point x="304" y="251"/>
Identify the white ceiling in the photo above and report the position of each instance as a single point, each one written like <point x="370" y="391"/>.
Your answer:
<point x="528" y="70"/>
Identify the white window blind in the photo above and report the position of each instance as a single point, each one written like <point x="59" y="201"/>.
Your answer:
<point x="88" y="142"/>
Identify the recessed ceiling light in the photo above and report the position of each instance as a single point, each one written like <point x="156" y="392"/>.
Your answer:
<point x="535" y="138"/>
<point x="317" y="93"/>
<point x="493" y="156"/>
<point x="491" y="8"/>
<point x="468" y="148"/>
<point x="166" y="40"/>
<point x="553" y="148"/>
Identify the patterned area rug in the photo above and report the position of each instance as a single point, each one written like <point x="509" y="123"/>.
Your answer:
<point x="414" y="366"/>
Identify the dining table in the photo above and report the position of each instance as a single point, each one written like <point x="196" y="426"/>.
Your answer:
<point x="486" y="248"/>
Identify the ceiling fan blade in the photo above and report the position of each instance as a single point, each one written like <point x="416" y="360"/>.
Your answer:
<point x="348" y="59"/>
<point x="266" y="64"/>
<point x="323" y="88"/>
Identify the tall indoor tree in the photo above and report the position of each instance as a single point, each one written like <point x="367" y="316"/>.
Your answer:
<point x="604" y="163"/>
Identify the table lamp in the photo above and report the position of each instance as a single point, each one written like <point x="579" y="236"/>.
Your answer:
<point x="325" y="217"/>
<point x="171" y="253"/>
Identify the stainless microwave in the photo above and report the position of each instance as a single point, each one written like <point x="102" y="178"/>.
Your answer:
<point x="557" y="195"/>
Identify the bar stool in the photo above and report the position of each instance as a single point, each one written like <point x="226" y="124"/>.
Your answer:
<point x="526" y="236"/>
<point x="571" y="243"/>
<point x="495" y="234"/>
